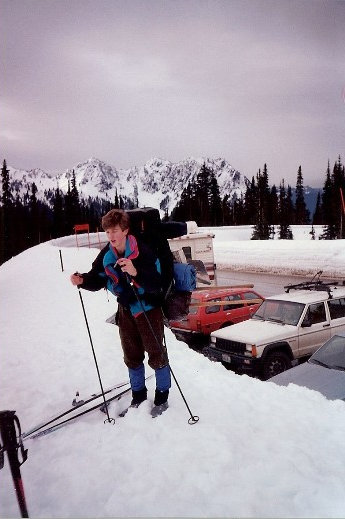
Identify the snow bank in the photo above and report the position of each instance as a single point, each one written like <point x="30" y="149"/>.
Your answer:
<point x="259" y="450"/>
<point x="234" y="250"/>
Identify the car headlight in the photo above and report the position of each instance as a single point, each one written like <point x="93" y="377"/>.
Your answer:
<point x="251" y="350"/>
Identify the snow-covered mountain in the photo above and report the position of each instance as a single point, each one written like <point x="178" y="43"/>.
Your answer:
<point x="158" y="183"/>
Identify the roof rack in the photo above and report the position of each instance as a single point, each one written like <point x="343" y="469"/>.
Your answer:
<point x="314" y="285"/>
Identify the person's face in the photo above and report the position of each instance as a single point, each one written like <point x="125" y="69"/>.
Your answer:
<point x="117" y="237"/>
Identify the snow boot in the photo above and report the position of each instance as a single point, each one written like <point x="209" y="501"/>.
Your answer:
<point x="138" y="397"/>
<point x="160" y="403"/>
<point x="161" y="397"/>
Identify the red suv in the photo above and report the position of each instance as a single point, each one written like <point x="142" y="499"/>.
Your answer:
<point x="211" y="309"/>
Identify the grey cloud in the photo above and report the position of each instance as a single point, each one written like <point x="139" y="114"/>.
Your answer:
<point x="254" y="81"/>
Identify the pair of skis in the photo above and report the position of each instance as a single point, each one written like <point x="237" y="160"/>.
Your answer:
<point x="57" y="421"/>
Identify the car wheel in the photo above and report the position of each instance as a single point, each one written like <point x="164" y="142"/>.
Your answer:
<point x="274" y="363"/>
<point x="197" y="343"/>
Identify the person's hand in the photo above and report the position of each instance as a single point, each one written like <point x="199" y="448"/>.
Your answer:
<point x="127" y="266"/>
<point x="76" y="279"/>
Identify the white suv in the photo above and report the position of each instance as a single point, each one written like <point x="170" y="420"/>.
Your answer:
<point x="286" y="327"/>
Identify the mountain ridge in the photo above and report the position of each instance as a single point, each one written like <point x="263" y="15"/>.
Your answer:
<point x="158" y="181"/>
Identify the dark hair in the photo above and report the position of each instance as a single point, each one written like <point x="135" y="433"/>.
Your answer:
<point x="115" y="217"/>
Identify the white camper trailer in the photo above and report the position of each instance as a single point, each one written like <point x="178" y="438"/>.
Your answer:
<point x="196" y="247"/>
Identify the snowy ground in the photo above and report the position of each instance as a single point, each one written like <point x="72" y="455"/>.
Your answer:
<point x="302" y="256"/>
<point x="258" y="450"/>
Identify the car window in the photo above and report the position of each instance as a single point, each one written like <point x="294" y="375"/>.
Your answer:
<point x="290" y="313"/>
<point x="232" y="297"/>
<point x="212" y="309"/>
<point x="336" y="308"/>
<point x="250" y="295"/>
<point x="193" y="309"/>
<point x="286" y="312"/>
<point x="316" y="313"/>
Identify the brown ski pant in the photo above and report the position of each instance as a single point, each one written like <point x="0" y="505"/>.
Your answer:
<point x="137" y="338"/>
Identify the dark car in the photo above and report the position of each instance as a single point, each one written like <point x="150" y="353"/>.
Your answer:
<point x="324" y="371"/>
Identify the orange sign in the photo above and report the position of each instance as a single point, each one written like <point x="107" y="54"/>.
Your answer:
<point x="82" y="227"/>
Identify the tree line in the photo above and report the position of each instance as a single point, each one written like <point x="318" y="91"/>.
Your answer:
<point x="265" y="207"/>
<point x="26" y="221"/>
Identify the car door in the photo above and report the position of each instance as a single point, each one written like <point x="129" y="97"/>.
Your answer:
<point x="336" y="308"/>
<point x="212" y="318"/>
<point x="234" y="312"/>
<point x="314" y="330"/>
<point x="252" y="305"/>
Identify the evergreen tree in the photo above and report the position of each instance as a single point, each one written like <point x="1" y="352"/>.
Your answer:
<point x="250" y="200"/>
<point x="216" y="216"/>
<point x="20" y="217"/>
<point x="227" y="211"/>
<point x="238" y="210"/>
<point x="74" y="201"/>
<point x="6" y="198"/>
<point x="117" y="204"/>
<point x="332" y="209"/>
<point x="202" y="197"/>
<point x="285" y="232"/>
<point x="301" y="211"/>
<point x="58" y="226"/>
<point x="6" y="213"/>
<point x="338" y="184"/>
<point x="262" y="229"/>
<point x="200" y="200"/>
<point x="69" y="223"/>
<point x="272" y="209"/>
<point x="72" y="206"/>
<point x="317" y="217"/>
<point x="34" y="223"/>
<point x="183" y="210"/>
<point x="290" y="208"/>
<point x="329" y="231"/>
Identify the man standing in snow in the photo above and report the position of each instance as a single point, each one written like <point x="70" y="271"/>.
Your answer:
<point x="121" y="262"/>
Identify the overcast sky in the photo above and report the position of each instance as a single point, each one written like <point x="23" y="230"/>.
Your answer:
<point x="252" y="81"/>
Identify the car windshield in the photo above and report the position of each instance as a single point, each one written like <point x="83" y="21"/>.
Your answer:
<point x="331" y="354"/>
<point x="284" y="312"/>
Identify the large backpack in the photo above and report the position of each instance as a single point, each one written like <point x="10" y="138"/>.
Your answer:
<point x="178" y="279"/>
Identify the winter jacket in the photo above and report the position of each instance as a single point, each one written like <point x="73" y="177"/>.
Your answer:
<point x="147" y="282"/>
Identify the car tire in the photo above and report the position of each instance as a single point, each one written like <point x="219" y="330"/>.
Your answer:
<point x="274" y="363"/>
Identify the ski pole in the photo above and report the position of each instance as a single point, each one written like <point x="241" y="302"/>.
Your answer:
<point x="61" y="260"/>
<point x="193" y="419"/>
<point x="108" y="420"/>
<point x="8" y="420"/>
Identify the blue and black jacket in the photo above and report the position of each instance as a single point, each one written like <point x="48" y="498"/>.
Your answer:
<point x="148" y="281"/>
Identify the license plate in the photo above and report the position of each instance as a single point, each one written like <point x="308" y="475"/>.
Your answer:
<point x="226" y="358"/>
